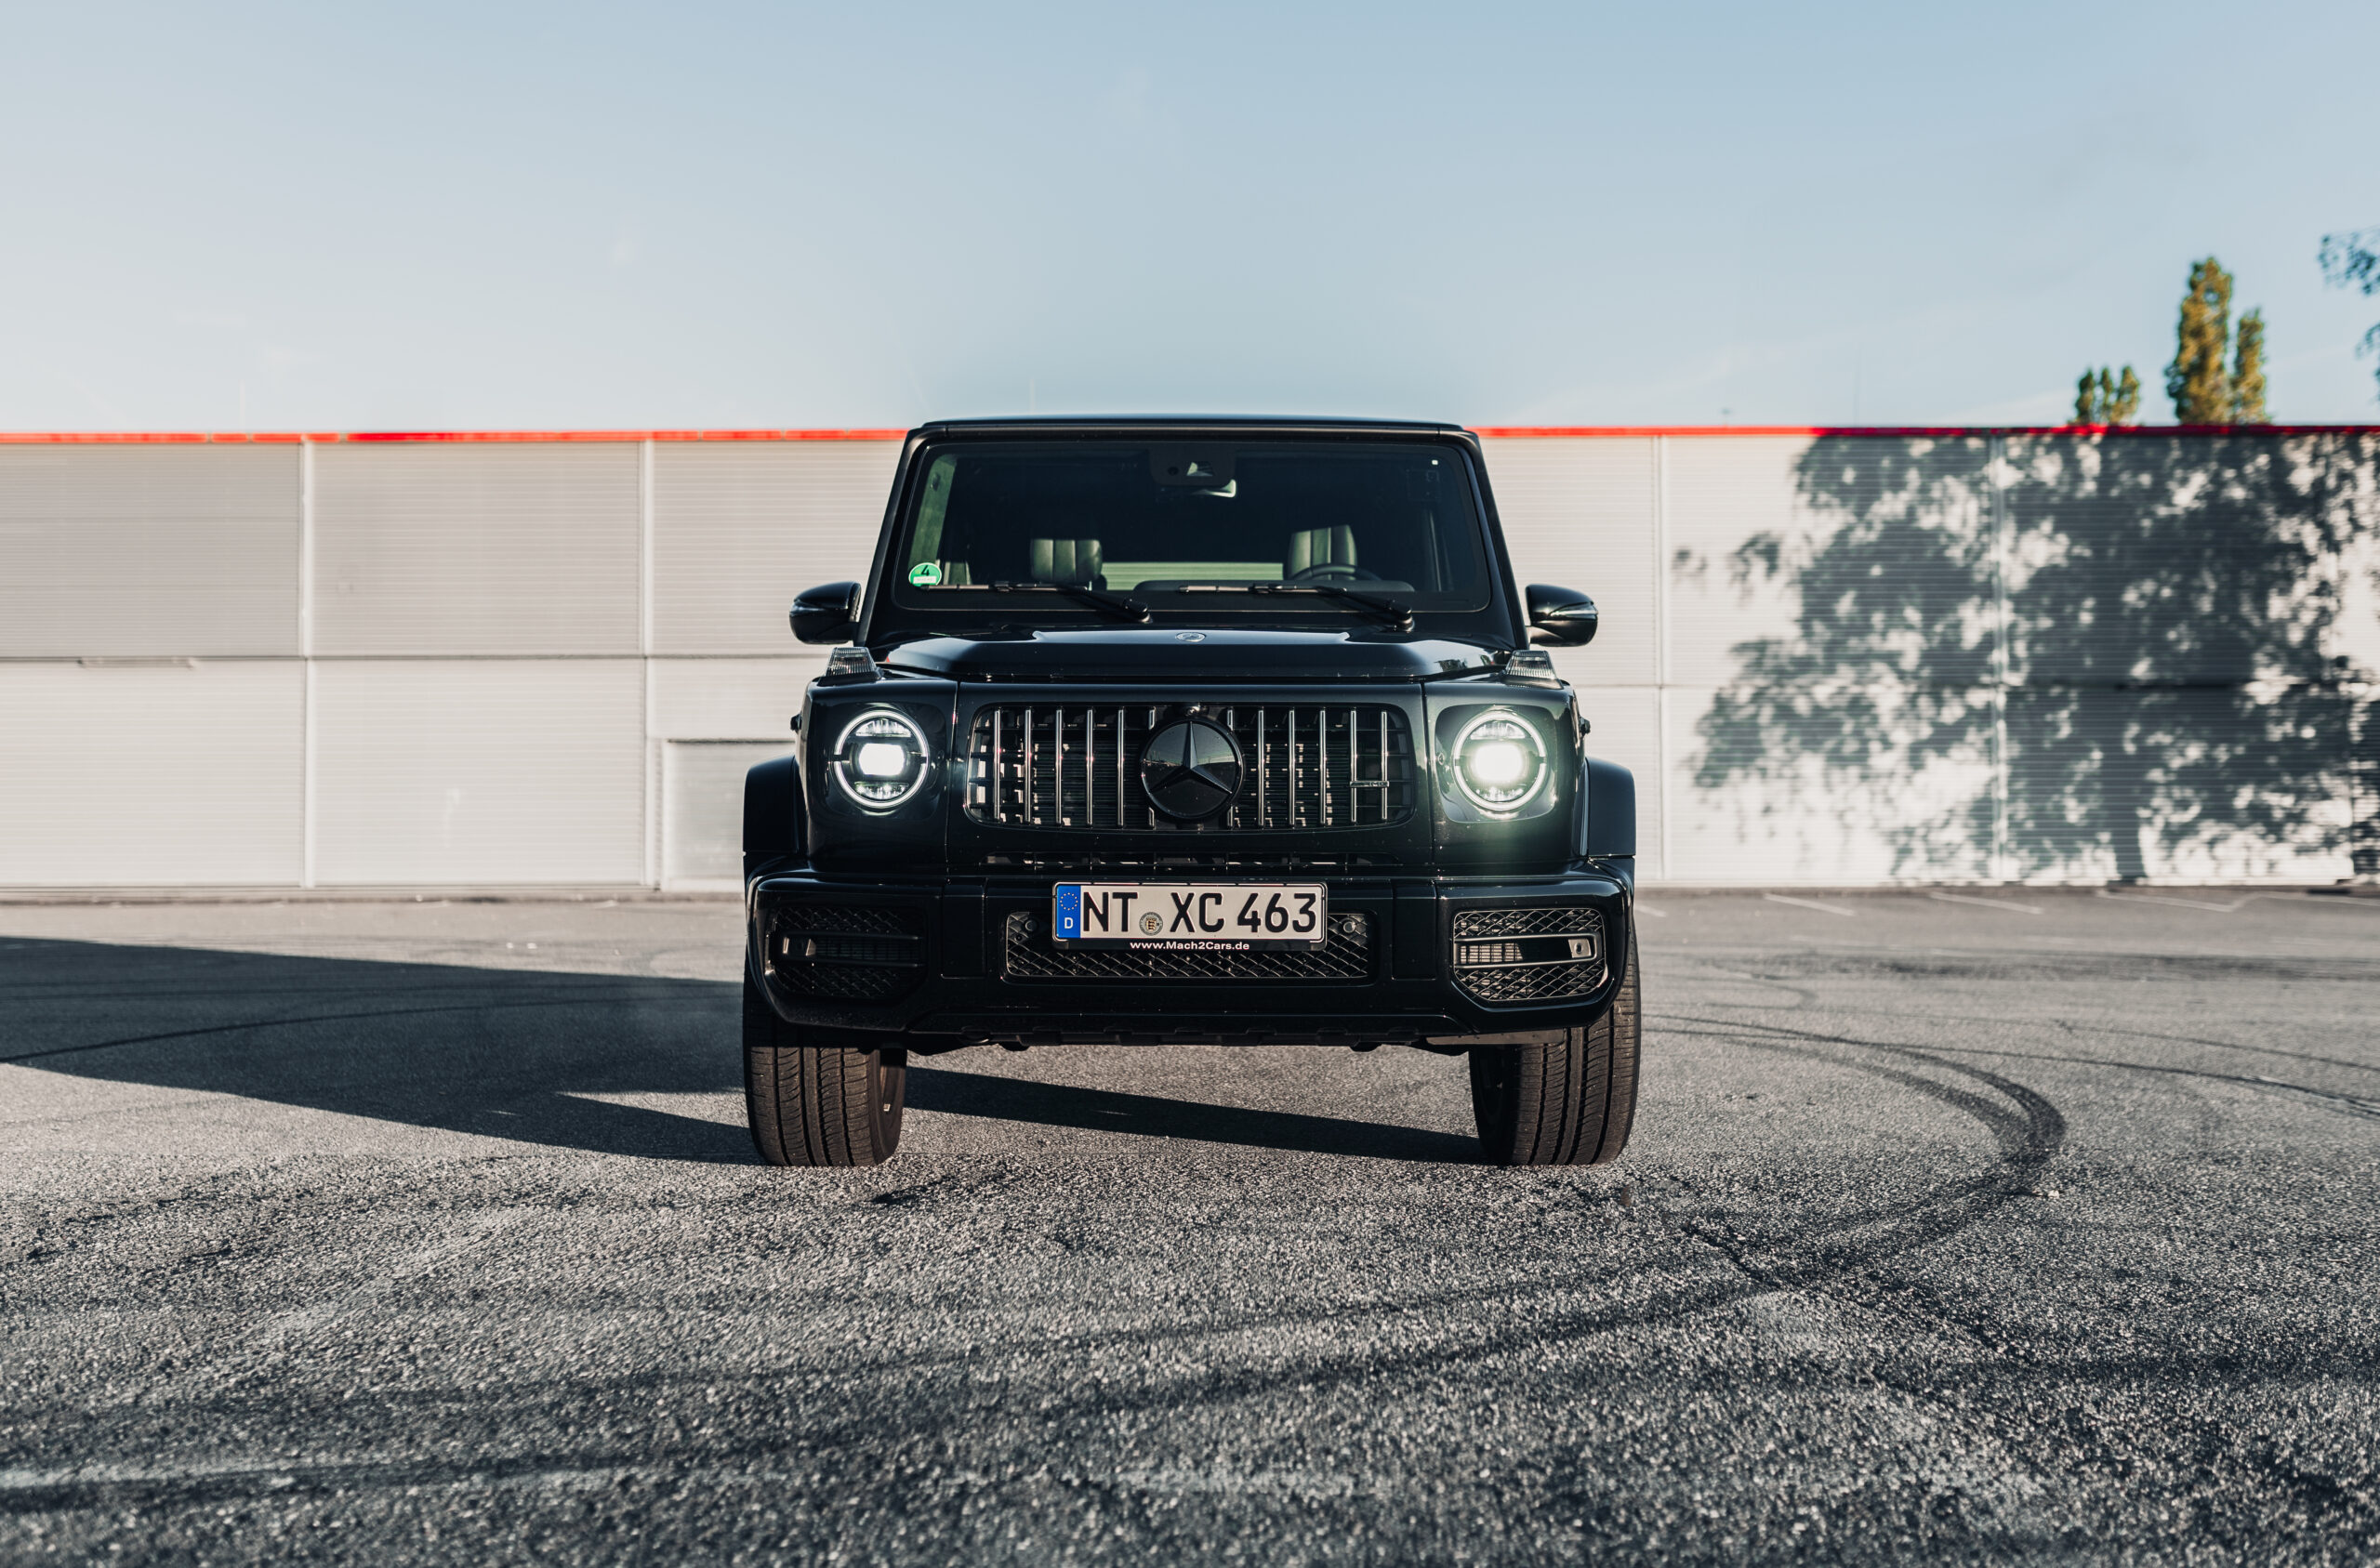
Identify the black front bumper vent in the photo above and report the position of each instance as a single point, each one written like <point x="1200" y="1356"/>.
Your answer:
<point x="1030" y="954"/>
<point x="1302" y="766"/>
<point x="1528" y="955"/>
<point x="853" y="953"/>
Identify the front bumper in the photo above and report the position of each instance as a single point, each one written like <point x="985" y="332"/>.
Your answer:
<point x="932" y="959"/>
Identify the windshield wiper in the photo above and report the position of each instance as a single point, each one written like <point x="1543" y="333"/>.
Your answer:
<point x="1125" y="609"/>
<point x="1393" y="613"/>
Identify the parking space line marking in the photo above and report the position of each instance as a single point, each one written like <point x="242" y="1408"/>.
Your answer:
<point x="1985" y="903"/>
<point x="1809" y="904"/>
<point x="2177" y="904"/>
<point x="1643" y="908"/>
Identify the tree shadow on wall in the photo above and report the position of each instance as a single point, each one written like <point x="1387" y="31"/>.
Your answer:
<point x="2171" y="697"/>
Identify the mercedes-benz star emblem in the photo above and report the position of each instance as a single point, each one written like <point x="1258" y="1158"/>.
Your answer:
<point x="1190" y="769"/>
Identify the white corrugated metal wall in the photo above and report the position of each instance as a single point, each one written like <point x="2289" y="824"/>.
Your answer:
<point x="1831" y="660"/>
<point x="1854" y="659"/>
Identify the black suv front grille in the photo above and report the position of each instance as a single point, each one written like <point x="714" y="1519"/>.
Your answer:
<point x="854" y="952"/>
<point x="1528" y="955"/>
<point x="1032" y="955"/>
<point x="1302" y="766"/>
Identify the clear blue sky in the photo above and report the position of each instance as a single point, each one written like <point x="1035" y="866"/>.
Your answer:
<point x="438" y="216"/>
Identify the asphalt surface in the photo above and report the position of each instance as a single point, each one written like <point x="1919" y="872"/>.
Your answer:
<point x="418" y="1232"/>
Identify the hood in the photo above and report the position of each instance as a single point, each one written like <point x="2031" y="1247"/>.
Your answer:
<point x="1148" y="654"/>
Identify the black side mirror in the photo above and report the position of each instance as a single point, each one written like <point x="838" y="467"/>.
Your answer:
<point x="826" y="613"/>
<point x="1563" y="614"/>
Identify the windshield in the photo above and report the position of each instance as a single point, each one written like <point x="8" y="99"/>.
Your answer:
<point x="1234" y="526"/>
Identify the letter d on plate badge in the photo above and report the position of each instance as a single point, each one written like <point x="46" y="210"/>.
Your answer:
<point x="1069" y="910"/>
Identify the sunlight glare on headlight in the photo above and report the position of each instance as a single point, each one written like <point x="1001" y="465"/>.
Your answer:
<point x="1499" y="763"/>
<point x="882" y="759"/>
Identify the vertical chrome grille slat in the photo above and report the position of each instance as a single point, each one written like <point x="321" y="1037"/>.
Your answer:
<point x="1263" y="807"/>
<point x="1043" y="766"/>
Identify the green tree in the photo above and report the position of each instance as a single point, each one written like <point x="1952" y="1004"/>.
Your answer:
<point x="2209" y="384"/>
<point x="2104" y="398"/>
<point x="2248" y="372"/>
<point x="2352" y="260"/>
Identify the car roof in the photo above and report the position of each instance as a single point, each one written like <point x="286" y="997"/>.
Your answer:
<point x="1024" y="422"/>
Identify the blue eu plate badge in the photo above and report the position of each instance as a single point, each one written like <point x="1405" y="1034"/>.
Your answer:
<point x="1069" y="911"/>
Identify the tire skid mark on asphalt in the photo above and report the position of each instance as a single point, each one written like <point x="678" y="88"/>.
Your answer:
<point x="2350" y="1104"/>
<point x="204" y="1189"/>
<point x="1867" y="959"/>
<point x="30" y="1491"/>
<point x="257" y="1349"/>
<point x="2027" y="1138"/>
<point x="2353" y="1105"/>
<point x="297" y="1322"/>
<point x="2072" y="1027"/>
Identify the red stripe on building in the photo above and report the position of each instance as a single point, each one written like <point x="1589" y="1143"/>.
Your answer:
<point x="1497" y="432"/>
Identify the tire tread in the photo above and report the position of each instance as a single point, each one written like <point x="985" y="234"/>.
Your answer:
<point x="1571" y="1101"/>
<point x="812" y="1101"/>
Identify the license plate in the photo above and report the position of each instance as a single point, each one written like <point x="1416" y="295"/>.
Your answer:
<point x="1222" y="917"/>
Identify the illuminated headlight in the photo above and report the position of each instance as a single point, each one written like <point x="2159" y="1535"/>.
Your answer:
<point x="880" y="760"/>
<point x="1499" y="763"/>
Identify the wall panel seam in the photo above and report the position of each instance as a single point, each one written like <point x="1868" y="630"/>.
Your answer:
<point x="305" y="813"/>
<point x="644" y="648"/>
<point x="1662" y="636"/>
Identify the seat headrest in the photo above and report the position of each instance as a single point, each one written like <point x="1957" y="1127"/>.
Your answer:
<point x="1076" y="561"/>
<point x="1319" y="547"/>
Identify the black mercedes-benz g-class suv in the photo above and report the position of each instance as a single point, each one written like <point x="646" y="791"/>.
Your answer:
<point x="1199" y="731"/>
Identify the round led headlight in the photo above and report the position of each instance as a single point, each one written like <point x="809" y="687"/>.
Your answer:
<point x="1499" y="763"/>
<point x="881" y="759"/>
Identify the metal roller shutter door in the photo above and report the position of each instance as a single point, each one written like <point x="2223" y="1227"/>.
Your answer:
<point x="1845" y="559"/>
<point x="148" y="550"/>
<point x="1753" y="798"/>
<point x="2169" y="559"/>
<point x="1579" y="513"/>
<point x="739" y="528"/>
<point x="152" y="774"/>
<point x="461" y="771"/>
<point x="525" y="548"/>
<point x="2199" y="785"/>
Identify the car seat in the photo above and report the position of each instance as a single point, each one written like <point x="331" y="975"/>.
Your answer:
<point x="1076" y="561"/>
<point x="1319" y="547"/>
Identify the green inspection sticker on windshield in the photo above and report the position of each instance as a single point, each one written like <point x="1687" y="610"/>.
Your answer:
<point x="925" y="574"/>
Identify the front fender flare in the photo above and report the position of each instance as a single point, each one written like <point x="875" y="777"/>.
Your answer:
<point x="773" y="814"/>
<point x="1609" y="832"/>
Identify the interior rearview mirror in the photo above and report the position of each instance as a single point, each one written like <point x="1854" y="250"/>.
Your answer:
<point x="1563" y="614"/>
<point x="828" y="613"/>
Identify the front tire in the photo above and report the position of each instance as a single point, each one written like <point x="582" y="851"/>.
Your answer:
<point x="1569" y="1102"/>
<point x="819" y="1096"/>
